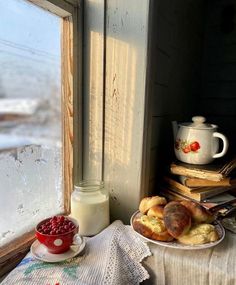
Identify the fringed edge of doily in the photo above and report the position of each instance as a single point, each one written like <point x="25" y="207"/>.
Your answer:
<point x="128" y="238"/>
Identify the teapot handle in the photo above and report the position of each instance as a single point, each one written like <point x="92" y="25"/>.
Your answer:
<point x="225" y="144"/>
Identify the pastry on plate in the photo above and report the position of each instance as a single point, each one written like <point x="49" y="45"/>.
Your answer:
<point x="177" y="219"/>
<point x="156" y="211"/>
<point x="151" y="227"/>
<point x="148" y="202"/>
<point x="198" y="213"/>
<point x="200" y="234"/>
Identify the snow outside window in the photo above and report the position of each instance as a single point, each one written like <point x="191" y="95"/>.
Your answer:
<point x="30" y="117"/>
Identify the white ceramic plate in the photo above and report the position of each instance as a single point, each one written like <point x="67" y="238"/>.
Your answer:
<point x="40" y="252"/>
<point x="176" y="244"/>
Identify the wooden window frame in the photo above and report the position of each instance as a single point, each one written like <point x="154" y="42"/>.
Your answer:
<point x="71" y="13"/>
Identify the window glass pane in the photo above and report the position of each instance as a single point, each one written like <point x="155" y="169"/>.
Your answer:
<point x="30" y="117"/>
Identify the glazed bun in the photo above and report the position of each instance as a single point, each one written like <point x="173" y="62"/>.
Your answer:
<point x="152" y="228"/>
<point x="198" y="213"/>
<point x="200" y="234"/>
<point x="156" y="211"/>
<point x="177" y="219"/>
<point x="148" y="202"/>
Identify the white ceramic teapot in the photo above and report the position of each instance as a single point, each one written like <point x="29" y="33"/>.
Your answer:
<point x="198" y="142"/>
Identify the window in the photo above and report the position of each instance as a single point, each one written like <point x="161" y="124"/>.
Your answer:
<point x="30" y="105"/>
<point x="37" y="88"/>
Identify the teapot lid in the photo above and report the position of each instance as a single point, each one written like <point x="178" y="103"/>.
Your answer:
<point x="199" y="123"/>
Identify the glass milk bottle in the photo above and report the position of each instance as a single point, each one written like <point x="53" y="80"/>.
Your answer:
<point x="90" y="207"/>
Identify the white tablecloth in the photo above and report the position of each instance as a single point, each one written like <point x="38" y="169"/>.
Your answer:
<point x="213" y="266"/>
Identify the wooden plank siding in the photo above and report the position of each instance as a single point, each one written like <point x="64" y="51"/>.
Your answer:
<point x="126" y="55"/>
<point x="115" y="56"/>
<point x="175" y="81"/>
<point x="93" y="89"/>
<point x="218" y="97"/>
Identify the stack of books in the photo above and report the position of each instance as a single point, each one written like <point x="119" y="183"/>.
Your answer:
<point x="210" y="184"/>
<point x="210" y="173"/>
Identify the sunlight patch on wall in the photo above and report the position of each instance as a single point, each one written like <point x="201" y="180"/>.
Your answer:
<point x="121" y="103"/>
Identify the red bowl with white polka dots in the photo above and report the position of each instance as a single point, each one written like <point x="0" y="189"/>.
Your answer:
<point x="57" y="233"/>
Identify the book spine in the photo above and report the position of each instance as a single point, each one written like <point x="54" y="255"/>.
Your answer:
<point x="214" y="190"/>
<point x="200" y="196"/>
<point x="176" y="184"/>
<point x="179" y="170"/>
<point x="173" y="196"/>
<point x="210" y="194"/>
<point x="183" y="180"/>
<point x="198" y="182"/>
<point x="180" y="186"/>
<point x="195" y="196"/>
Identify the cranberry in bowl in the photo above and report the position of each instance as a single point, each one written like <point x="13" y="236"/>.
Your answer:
<point x="57" y="233"/>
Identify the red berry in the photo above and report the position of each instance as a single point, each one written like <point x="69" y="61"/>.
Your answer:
<point x="62" y="218"/>
<point x="56" y="225"/>
<point x="186" y="149"/>
<point x="195" y="146"/>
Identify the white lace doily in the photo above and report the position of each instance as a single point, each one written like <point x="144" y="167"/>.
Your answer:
<point x="112" y="257"/>
<point x="118" y="253"/>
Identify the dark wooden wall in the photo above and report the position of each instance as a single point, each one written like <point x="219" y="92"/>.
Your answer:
<point x="175" y="65"/>
<point x="218" y="96"/>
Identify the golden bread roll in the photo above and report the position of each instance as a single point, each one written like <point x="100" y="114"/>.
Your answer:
<point x="198" y="213"/>
<point x="177" y="219"/>
<point x="156" y="211"/>
<point x="200" y="234"/>
<point x="148" y="202"/>
<point x="152" y="228"/>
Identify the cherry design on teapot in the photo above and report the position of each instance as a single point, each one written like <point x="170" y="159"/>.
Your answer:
<point x="187" y="146"/>
<point x="197" y="142"/>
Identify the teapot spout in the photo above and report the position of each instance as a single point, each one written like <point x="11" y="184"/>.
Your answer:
<point x="175" y="128"/>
